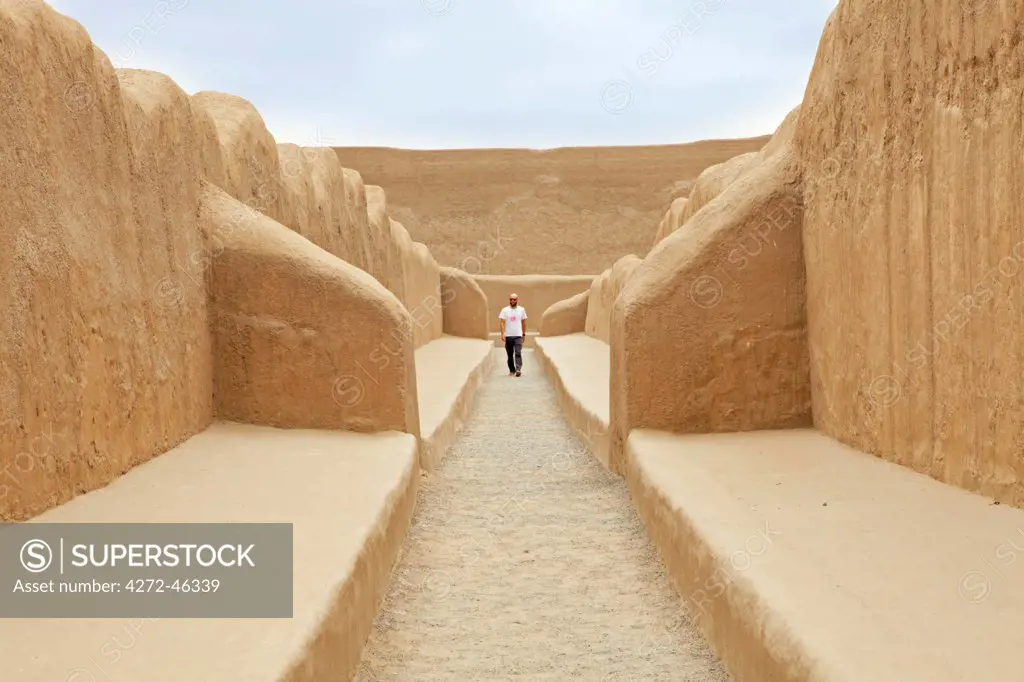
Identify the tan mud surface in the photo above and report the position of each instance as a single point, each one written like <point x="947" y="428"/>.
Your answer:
<point x="566" y="211"/>
<point x="526" y="561"/>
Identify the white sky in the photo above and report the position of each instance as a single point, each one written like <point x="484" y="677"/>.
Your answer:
<point x="430" y="74"/>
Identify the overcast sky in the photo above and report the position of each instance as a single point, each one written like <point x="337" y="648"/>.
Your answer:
<point x="433" y="74"/>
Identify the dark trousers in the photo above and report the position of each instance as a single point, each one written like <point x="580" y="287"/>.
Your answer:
<point x="514" y="351"/>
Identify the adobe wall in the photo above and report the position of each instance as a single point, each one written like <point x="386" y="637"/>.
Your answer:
<point x="302" y="339"/>
<point x="104" y="355"/>
<point x="712" y="182"/>
<point x="464" y="305"/>
<point x="249" y="152"/>
<point x="377" y="240"/>
<point x="537" y="293"/>
<point x="310" y="192"/>
<point x="607" y="286"/>
<point x="423" y="291"/>
<point x="673" y="219"/>
<point x="211" y="155"/>
<point x="301" y="194"/>
<point x="134" y="232"/>
<point x="568" y="316"/>
<point x="914" y="237"/>
<point x="603" y="293"/>
<point x="522" y="211"/>
<point x="304" y="188"/>
<point x="329" y="207"/>
<point x="265" y="341"/>
<point x="709" y="333"/>
<point x="350" y="234"/>
<point x="391" y="269"/>
<point x="416" y="276"/>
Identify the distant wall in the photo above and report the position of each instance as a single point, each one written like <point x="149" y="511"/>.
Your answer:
<point x="709" y="333"/>
<point x="914" y="235"/>
<point x="536" y="293"/>
<point x="104" y="352"/>
<point x="519" y="211"/>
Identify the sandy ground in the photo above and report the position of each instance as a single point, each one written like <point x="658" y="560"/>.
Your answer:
<point x="526" y="561"/>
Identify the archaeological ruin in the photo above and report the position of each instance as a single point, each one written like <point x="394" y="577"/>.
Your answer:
<point x="768" y="428"/>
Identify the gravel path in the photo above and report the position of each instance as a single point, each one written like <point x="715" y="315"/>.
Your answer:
<point x="525" y="561"/>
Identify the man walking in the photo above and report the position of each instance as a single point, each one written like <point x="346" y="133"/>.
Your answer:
<point x="513" y="330"/>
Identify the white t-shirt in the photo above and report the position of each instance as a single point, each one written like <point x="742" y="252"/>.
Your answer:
<point x="513" y="319"/>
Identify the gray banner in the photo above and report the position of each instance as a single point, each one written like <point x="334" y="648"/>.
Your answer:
<point x="146" y="570"/>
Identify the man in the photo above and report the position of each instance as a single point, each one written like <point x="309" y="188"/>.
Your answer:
<point x="512" y="320"/>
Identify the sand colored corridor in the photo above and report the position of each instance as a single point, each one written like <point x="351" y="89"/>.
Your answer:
<point x="526" y="561"/>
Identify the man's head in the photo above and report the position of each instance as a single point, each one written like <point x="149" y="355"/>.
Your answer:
<point x="513" y="300"/>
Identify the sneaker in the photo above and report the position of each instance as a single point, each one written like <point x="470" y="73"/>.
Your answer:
<point x="519" y="374"/>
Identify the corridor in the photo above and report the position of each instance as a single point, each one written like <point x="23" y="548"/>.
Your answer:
<point x="525" y="561"/>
